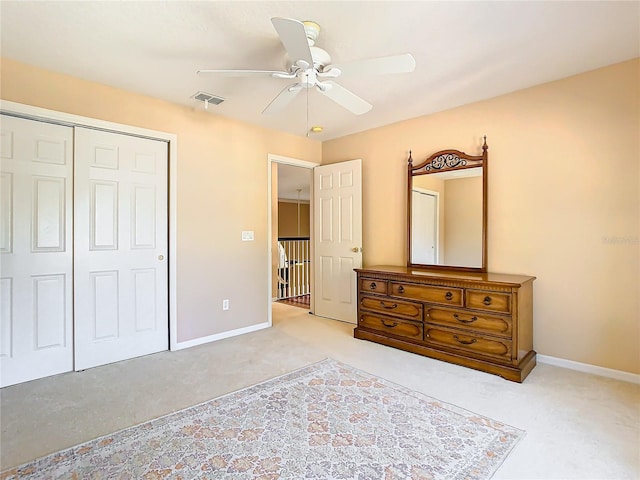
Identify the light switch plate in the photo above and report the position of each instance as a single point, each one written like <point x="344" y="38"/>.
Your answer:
<point x="247" y="235"/>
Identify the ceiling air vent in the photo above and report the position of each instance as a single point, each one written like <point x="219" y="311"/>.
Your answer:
<point x="207" y="98"/>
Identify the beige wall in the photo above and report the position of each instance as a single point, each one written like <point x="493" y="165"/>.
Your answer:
<point x="216" y="197"/>
<point x="563" y="202"/>
<point x="288" y="219"/>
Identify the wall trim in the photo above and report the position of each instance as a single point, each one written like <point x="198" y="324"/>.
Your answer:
<point x="53" y="116"/>
<point x="593" y="369"/>
<point x="220" y="336"/>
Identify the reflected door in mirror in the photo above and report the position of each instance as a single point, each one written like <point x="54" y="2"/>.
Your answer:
<point x="424" y="235"/>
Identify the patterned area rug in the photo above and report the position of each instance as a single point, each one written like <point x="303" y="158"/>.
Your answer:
<point x="324" y="421"/>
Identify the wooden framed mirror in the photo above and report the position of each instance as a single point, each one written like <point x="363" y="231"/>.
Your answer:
<point x="447" y="211"/>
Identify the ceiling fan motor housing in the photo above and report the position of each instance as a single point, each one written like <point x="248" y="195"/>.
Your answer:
<point x="320" y="59"/>
<point x="308" y="78"/>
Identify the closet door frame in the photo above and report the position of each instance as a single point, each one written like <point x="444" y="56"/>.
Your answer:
<point x="52" y="116"/>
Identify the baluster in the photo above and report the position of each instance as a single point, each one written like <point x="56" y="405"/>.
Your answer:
<point x="295" y="269"/>
<point x="289" y="272"/>
<point x="305" y="269"/>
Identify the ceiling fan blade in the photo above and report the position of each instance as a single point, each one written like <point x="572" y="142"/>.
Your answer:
<point x="242" y="73"/>
<point x="283" y="99"/>
<point x="379" y="66"/>
<point x="346" y="98"/>
<point x="294" y="39"/>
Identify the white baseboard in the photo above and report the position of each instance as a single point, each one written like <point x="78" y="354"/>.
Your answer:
<point x="593" y="369"/>
<point x="219" y="336"/>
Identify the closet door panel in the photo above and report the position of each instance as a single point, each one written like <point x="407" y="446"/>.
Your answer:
<point x="121" y="296"/>
<point x="36" y="310"/>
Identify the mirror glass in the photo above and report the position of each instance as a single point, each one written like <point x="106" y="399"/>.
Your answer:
<point x="447" y="205"/>
<point x="446" y="218"/>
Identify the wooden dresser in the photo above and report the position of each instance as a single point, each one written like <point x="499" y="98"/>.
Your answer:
<point x="478" y="320"/>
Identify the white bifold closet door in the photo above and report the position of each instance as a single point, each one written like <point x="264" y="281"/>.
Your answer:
<point x="83" y="248"/>
<point x="120" y="248"/>
<point x="36" y="311"/>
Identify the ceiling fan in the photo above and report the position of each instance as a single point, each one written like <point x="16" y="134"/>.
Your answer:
<point x="311" y="66"/>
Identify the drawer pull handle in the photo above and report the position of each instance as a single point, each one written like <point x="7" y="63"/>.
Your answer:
<point x="400" y="289"/>
<point x="462" y="320"/>
<point x="395" y="324"/>
<point x="465" y="342"/>
<point x="449" y="296"/>
<point x="487" y="300"/>
<point x="373" y="286"/>
<point x="388" y="307"/>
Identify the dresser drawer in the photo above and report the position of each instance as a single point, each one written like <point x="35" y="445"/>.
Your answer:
<point x="489" y="301"/>
<point x="427" y="293"/>
<point x="373" y="285"/>
<point x="486" y="346"/>
<point x="471" y="321"/>
<point x="391" y="326"/>
<point x="391" y="306"/>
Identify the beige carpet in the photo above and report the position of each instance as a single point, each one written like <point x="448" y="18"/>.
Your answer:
<point x="324" y="421"/>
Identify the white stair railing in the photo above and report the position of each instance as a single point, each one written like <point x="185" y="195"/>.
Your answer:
<point x="293" y="274"/>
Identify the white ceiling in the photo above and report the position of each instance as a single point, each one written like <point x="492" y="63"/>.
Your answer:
<point x="464" y="51"/>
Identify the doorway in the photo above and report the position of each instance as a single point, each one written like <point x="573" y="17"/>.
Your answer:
<point x="294" y="236"/>
<point x="291" y="231"/>
<point x="335" y="236"/>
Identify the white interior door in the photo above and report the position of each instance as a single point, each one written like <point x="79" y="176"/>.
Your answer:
<point x="338" y="232"/>
<point x="121" y="306"/>
<point x="36" y="310"/>
<point x="424" y="227"/>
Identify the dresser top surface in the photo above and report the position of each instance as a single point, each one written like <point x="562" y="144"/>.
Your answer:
<point x="489" y="277"/>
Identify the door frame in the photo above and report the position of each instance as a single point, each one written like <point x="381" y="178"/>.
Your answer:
<point x="51" y="116"/>
<point x="296" y="162"/>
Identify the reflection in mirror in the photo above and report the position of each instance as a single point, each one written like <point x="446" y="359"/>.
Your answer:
<point x="446" y="218"/>
<point x="447" y="207"/>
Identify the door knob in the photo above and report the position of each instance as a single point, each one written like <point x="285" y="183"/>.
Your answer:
<point x="160" y="257"/>
<point x="356" y="249"/>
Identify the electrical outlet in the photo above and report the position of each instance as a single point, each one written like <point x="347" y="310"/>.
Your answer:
<point x="225" y="304"/>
